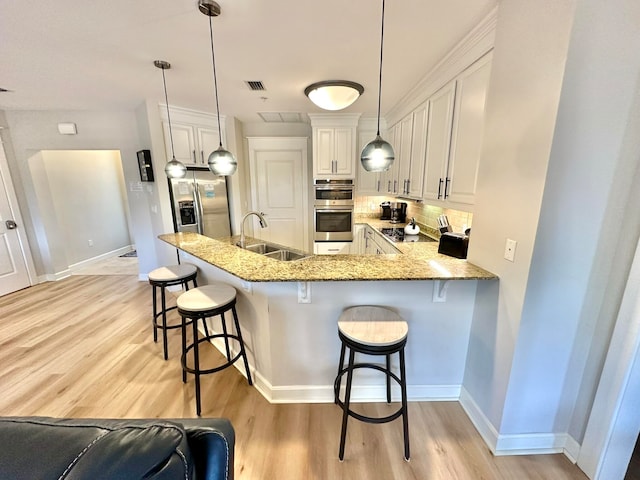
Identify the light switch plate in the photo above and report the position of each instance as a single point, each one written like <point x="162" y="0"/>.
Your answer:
<point x="510" y="250"/>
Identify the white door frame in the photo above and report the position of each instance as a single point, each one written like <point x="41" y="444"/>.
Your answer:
<point x="17" y="216"/>
<point x="614" y="422"/>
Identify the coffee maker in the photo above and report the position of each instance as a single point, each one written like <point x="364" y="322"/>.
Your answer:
<point x="398" y="212"/>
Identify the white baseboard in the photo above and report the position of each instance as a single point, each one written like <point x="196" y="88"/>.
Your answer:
<point x="572" y="449"/>
<point x="518" y="444"/>
<point x="104" y="256"/>
<point x="484" y="427"/>
<point x="54" y="277"/>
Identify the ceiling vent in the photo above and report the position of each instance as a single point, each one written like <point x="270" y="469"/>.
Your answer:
<point x="255" y="85"/>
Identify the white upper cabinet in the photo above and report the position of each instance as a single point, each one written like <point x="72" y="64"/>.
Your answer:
<point x="455" y="131"/>
<point x="195" y="135"/>
<point x="208" y="141"/>
<point x="367" y="183"/>
<point x="389" y="179"/>
<point x="468" y="131"/>
<point x="334" y="145"/>
<point x="413" y="134"/>
<point x="438" y="141"/>
<point x="184" y="145"/>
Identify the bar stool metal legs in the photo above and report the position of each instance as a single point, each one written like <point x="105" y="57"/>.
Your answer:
<point x="196" y="306"/>
<point x="161" y="278"/>
<point x="378" y="338"/>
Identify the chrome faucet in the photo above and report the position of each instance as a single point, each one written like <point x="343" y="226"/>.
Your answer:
<point x="263" y="224"/>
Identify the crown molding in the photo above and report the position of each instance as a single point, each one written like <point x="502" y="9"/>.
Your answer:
<point x="477" y="43"/>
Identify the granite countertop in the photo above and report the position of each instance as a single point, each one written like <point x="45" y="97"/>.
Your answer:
<point x="418" y="261"/>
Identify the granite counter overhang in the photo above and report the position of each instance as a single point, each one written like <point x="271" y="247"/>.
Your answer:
<point x="418" y="261"/>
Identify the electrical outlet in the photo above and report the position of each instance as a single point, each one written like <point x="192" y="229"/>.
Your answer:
<point x="510" y="250"/>
<point x="90" y="242"/>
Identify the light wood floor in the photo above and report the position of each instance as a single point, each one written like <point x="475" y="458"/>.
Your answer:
<point x="83" y="347"/>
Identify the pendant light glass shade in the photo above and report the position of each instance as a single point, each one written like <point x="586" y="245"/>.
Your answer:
<point x="222" y="162"/>
<point x="334" y="94"/>
<point x="377" y="155"/>
<point x="173" y="168"/>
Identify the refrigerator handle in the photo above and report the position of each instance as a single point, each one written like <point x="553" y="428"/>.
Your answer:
<point x="197" y="201"/>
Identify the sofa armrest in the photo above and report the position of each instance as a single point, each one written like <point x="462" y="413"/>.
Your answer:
<point x="212" y="443"/>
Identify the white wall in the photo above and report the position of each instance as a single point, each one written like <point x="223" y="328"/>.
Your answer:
<point x="522" y="102"/>
<point x="32" y="131"/>
<point x="87" y="194"/>
<point x="559" y="175"/>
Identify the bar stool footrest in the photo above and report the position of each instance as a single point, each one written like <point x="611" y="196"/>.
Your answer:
<point x="206" y="371"/>
<point x="358" y="416"/>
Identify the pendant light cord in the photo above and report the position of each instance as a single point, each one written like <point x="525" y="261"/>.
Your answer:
<point x="215" y="80"/>
<point x="166" y="101"/>
<point x="380" y="77"/>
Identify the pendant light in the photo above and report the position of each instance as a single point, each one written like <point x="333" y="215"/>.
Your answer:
<point x="377" y="155"/>
<point x="221" y="161"/>
<point x="173" y="168"/>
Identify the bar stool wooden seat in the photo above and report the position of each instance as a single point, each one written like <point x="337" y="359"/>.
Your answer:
<point x="196" y="306"/>
<point x="375" y="331"/>
<point x="165" y="277"/>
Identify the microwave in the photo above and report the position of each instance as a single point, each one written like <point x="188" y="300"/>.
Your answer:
<point x="333" y="192"/>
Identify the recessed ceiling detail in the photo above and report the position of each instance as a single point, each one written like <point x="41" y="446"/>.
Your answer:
<point x="255" y="85"/>
<point x="283" y="117"/>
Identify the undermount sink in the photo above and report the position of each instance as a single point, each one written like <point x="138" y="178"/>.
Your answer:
<point x="286" y="255"/>
<point x="261" y="248"/>
<point x="274" y="251"/>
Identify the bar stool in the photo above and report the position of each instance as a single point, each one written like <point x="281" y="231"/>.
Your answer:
<point x="373" y="331"/>
<point x="164" y="277"/>
<point x="197" y="305"/>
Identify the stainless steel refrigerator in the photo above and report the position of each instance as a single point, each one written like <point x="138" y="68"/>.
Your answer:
<point x="199" y="203"/>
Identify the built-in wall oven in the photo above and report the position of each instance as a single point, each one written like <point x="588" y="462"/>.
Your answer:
<point x="333" y="210"/>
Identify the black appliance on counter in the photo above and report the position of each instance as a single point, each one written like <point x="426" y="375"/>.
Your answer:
<point x="396" y="212"/>
<point x="454" y="244"/>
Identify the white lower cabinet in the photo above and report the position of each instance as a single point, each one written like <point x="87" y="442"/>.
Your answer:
<point x="375" y="243"/>
<point x="332" y="248"/>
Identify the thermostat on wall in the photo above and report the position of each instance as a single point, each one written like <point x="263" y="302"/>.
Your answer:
<point x="67" y="128"/>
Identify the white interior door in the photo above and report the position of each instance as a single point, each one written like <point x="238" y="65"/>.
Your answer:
<point x="14" y="274"/>
<point x="279" y="189"/>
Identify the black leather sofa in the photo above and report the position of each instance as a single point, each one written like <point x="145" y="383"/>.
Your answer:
<point x="34" y="448"/>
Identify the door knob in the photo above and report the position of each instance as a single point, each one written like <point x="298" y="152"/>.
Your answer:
<point x="11" y="225"/>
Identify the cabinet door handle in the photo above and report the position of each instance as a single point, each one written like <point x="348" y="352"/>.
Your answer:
<point x="439" y="188"/>
<point x="378" y="188"/>
<point x="202" y="156"/>
<point x="389" y="187"/>
<point x="333" y="250"/>
<point x="395" y="186"/>
<point x="408" y="182"/>
<point x="195" y="159"/>
<point x="446" y="187"/>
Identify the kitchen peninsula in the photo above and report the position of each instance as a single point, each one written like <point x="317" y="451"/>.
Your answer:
<point x="289" y="309"/>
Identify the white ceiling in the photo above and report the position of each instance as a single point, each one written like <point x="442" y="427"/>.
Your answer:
<point x="90" y="54"/>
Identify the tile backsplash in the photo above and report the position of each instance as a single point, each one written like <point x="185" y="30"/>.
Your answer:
<point x="425" y="215"/>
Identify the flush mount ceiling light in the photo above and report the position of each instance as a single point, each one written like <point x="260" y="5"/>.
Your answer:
<point x="173" y="168"/>
<point x="221" y="161"/>
<point x="334" y="94"/>
<point x="377" y="155"/>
